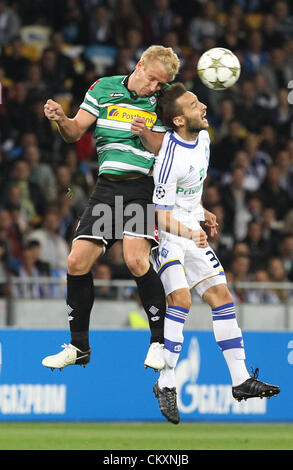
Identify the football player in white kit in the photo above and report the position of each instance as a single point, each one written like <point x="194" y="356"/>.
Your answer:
<point x="183" y="261"/>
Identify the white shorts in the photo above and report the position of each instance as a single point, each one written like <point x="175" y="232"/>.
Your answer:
<point x="181" y="264"/>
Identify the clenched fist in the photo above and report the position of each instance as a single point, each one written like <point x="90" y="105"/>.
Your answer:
<point x="54" y="111"/>
<point x="138" y="126"/>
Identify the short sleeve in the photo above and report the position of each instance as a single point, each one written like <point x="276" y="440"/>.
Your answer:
<point x="165" y="179"/>
<point x="90" y="102"/>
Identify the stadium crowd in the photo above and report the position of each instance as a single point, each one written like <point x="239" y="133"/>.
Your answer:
<point x="57" y="49"/>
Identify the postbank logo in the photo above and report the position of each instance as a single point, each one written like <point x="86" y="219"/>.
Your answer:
<point x="122" y="114"/>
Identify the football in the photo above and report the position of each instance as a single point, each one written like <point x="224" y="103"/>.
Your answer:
<point x="218" y="68"/>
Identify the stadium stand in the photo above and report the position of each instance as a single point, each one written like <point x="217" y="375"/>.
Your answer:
<point x="57" y="49"/>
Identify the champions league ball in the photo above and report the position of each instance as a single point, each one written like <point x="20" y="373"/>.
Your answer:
<point x="218" y="68"/>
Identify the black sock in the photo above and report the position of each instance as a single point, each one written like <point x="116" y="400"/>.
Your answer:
<point x="153" y="298"/>
<point x="80" y="299"/>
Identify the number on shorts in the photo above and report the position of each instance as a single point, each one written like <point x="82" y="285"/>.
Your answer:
<point x="213" y="258"/>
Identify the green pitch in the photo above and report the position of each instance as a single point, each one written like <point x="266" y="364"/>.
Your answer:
<point x="145" y="436"/>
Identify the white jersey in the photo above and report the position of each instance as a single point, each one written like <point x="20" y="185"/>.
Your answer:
<point x="179" y="173"/>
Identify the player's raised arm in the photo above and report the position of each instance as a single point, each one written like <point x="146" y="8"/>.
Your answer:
<point x="70" y="130"/>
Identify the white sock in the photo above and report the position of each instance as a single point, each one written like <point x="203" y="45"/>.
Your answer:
<point x="173" y="333"/>
<point x="229" y="339"/>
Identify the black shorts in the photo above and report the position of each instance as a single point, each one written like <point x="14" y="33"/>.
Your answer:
<point x="118" y="208"/>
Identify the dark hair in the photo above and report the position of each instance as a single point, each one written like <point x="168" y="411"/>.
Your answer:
<point x="168" y="106"/>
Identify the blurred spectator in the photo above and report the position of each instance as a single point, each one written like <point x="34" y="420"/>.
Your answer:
<point x="135" y="44"/>
<point x="125" y="17"/>
<point x="32" y="199"/>
<point x="28" y="268"/>
<point x="54" y="71"/>
<point x="251" y="180"/>
<point x="10" y="23"/>
<point x="100" y="28"/>
<point x="35" y="85"/>
<point x="123" y="63"/>
<point x="277" y="273"/>
<point x="285" y="165"/>
<point x="283" y="113"/>
<point x="255" y="56"/>
<point x="42" y="266"/>
<point x="17" y="109"/>
<point x="247" y="111"/>
<point x="240" y="248"/>
<point x="211" y="196"/>
<point x="225" y="115"/>
<point x="10" y="236"/>
<point x="258" y="295"/>
<point x="286" y="254"/>
<point x="234" y="201"/>
<point x="269" y="140"/>
<point x="54" y="249"/>
<point x="259" y="160"/>
<point x="64" y="62"/>
<point x="42" y="128"/>
<point x="68" y="216"/>
<point x="4" y="269"/>
<point x="159" y="19"/>
<point x="271" y="229"/>
<point x="70" y="19"/>
<point x="222" y="152"/>
<point x="238" y="271"/>
<point x="64" y="183"/>
<point x="283" y="17"/>
<point x="259" y="248"/>
<point x="102" y="271"/>
<point x="271" y="37"/>
<point x="273" y="194"/>
<point x="204" y="24"/>
<point x="278" y="71"/>
<point x="265" y="98"/>
<point x="15" y="63"/>
<point x="41" y="174"/>
<point x="233" y="36"/>
<point x="80" y="173"/>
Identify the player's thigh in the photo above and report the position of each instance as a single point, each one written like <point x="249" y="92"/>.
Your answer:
<point x="203" y="268"/>
<point x="83" y="255"/>
<point x="168" y="261"/>
<point x="136" y="252"/>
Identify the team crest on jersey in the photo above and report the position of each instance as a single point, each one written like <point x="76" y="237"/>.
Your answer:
<point x="164" y="252"/>
<point x="153" y="100"/>
<point x="160" y="192"/>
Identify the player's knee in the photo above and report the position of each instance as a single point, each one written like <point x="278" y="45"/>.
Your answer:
<point x="77" y="265"/>
<point x="137" y="265"/>
<point x="218" y="295"/>
<point x="180" y="298"/>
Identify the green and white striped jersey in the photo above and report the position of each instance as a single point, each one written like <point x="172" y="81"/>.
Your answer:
<point x="119" y="150"/>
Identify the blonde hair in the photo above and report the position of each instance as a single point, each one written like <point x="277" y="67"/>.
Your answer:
<point x="165" y="55"/>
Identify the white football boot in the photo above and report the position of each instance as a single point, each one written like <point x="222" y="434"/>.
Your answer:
<point x="69" y="356"/>
<point x="155" y="357"/>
